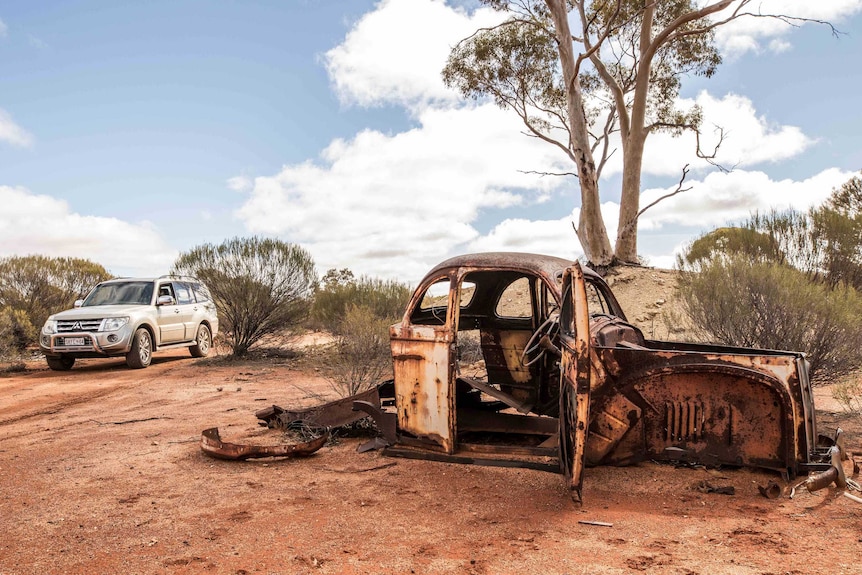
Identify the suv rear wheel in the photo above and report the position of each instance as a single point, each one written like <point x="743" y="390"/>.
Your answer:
<point x="141" y="353"/>
<point x="62" y="363"/>
<point x="203" y="342"/>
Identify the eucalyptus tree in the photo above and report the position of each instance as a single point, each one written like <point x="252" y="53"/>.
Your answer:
<point x="579" y="71"/>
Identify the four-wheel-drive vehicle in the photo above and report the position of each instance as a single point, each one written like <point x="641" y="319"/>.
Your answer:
<point x="528" y="360"/>
<point x="132" y="317"/>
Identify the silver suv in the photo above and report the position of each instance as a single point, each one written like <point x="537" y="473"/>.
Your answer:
<point x="132" y="317"/>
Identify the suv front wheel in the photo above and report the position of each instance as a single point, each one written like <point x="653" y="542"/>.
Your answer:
<point x="141" y="353"/>
<point x="62" y="363"/>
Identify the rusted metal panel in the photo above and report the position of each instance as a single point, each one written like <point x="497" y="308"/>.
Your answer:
<point x="575" y="387"/>
<point x="422" y="361"/>
<point x="331" y="414"/>
<point x="212" y="445"/>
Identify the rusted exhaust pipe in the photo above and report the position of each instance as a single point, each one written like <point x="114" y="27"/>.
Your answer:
<point x="825" y="478"/>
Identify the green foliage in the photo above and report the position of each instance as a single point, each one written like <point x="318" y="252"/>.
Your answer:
<point x="784" y="280"/>
<point x="16" y="333"/>
<point x="838" y="235"/>
<point x="385" y="299"/>
<point x="775" y="306"/>
<point x="745" y="242"/>
<point x="260" y="286"/>
<point x="361" y="357"/>
<point x="517" y="63"/>
<point x="34" y="287"/>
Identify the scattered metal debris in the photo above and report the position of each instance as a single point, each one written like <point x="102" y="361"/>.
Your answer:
<point x="212" y="445"/>
<point x="852" y="497"/>
<point x="332" y="414"/>
<point x="772" y="490"/>
<point x="706" y="487"/>
<point x="835" y="474"/>
<point x="596" y="523"/>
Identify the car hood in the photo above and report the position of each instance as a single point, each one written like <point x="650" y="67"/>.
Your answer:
<point x="100" y="311"/>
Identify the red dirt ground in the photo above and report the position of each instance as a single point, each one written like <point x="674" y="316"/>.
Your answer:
<point x="102" y="473"/>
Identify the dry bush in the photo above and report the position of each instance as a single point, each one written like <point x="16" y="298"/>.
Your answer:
<point x="849" y="394"/>
<point x="340" y="290"/>
<point x="261" y="286"/>
<point x="734" y="300"/>
<point x="361" y="357"/>
<point x="16" y="331"/>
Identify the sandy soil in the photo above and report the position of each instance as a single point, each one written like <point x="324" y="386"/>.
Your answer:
<point x="102" y="473"/>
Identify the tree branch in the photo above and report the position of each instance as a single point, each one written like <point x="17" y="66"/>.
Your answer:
<point x="679" y="189"/>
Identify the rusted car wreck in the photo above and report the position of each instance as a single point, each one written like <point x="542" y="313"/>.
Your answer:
<point x="529" y="360"/>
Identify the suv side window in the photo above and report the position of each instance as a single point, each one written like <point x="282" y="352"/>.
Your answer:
<point x="201" y="292"/>
<point x="184" y="293"/>
<point x="167" y="289"/>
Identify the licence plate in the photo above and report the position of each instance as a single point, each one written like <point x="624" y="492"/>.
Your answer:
<point x="73" y="341"/>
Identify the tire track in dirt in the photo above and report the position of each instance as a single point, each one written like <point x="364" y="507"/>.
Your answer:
<point x="58" y="407"/>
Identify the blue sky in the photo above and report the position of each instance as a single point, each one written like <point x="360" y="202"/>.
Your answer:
<point x="132" y="131"/>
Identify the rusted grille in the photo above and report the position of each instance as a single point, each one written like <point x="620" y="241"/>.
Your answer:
<point x="685" y="421"/>
<point x="66" y="326"/>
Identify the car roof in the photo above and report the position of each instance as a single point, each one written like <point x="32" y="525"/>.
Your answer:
<point x="538" y="264"/>
<point x="152" y="279"/>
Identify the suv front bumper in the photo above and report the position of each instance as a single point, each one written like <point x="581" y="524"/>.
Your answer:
<point x="82" y="344"/>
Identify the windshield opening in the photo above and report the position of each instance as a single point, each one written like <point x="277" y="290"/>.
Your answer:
<point x="120" y="293"/>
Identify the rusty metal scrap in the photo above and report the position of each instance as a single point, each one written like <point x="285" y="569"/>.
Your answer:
<point x="824" y="479"/>
<point x="212" y="445"/>
<point x="772" y="490"/>
<point x="331" y="414"/>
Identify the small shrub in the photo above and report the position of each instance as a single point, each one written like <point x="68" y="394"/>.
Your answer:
<point x="734" y="300"/>
<point x="361" y="357"/>
<point x="340" y="290"/>
<point x="849" y="394"/>
<point x="38" y="286"/>
<point x="16" y="332"/>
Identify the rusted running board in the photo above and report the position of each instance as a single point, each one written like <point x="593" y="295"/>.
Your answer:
<point x="212" y="445"/>
<point x="407" y="453"/>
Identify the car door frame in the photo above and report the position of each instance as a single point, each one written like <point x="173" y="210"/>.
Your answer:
<point x="574" y="413"/>
<point x="423" y="359"/>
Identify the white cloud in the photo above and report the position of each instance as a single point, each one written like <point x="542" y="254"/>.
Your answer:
<point x="414" y="194"/>
<point x="396" y="52"/>
<point x="34" y="224"/>
<point x="13" y="133"/>
<point x="722" y="198"/>
<point x="3" y="29"/>
<point x="240" y="183"/>
<point x="749" y="139"/>
<point x="748" y="33"/>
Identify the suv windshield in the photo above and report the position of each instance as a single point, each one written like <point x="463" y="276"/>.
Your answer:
<point x="120" y="293"/>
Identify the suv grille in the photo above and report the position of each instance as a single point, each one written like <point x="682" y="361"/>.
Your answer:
<point x="66" y="326"/>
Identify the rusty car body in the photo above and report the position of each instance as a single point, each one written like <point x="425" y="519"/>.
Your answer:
<point x="529" y="360"/>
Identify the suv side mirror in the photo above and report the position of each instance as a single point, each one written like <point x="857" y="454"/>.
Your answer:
<point x="165" y="300"/>
<point x="79" y="302"/>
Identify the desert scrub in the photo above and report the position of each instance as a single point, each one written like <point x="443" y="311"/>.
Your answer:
<point x="849" y="394"/>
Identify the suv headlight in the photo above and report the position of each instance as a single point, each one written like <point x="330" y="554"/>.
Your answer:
<point x="50" y="327"/>
<point x="114" y="323"/>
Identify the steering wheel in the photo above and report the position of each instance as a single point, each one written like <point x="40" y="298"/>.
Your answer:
<point x="542" y="341"/>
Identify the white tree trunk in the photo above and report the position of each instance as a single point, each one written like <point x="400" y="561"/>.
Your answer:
<point x="592" y="232"/>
